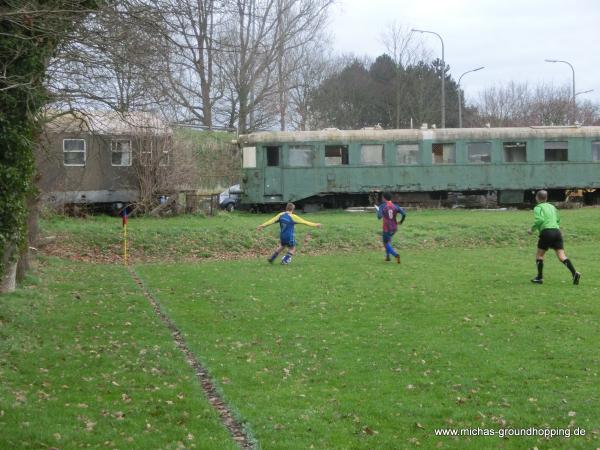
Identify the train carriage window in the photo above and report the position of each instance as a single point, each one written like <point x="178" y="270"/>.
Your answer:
<point x="407" y="154"/>
<point x="443" y="153"/>
<point x="596" y="151"/>
<point x="249" y="157"/>
<point x="515" y="152"/>
<point x="272" y="156"/>
<point x="301" y="156"/>
<point x="479" y="152"/>
<point x="336" y="155"/>
<point x="371" y="155"/>
<point x="556" y="151"/>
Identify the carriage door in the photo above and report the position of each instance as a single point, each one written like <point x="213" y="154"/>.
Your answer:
<point x="273" y="171"/>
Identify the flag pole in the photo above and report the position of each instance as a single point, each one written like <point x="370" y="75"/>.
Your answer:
<point x="125" y="243"/>
<point x="124" y="217"/>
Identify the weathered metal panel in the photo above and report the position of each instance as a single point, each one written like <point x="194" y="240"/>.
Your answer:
<point x="301" y="182"/>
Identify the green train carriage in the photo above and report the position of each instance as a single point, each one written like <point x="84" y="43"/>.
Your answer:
<point x="336" y="168"/>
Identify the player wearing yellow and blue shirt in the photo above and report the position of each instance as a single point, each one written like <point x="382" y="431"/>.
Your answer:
<point x="287" y="220"/>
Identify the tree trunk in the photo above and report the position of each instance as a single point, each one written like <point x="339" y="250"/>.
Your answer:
<point x="9" y="277"/>
<point x="24" y="263"/>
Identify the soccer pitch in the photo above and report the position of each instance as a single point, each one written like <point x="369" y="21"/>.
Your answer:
<point x="338" y="350"/>
<point x="351" y="352"/>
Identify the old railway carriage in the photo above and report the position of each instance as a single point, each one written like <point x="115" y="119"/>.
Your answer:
<point x="339" y="168"/>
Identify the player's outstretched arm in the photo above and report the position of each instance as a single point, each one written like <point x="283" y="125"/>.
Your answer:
<point x="269" y="222"/>
<point x="298" y="219"/>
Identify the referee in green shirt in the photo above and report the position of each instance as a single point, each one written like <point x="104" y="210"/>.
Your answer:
<point x="547" y="225"/>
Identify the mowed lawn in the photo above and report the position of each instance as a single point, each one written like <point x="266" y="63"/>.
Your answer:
<point x="338" y="350"/>
<point x="352" y="352"/>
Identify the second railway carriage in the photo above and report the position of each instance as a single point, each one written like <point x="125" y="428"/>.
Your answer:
<point x="334" y="167"/>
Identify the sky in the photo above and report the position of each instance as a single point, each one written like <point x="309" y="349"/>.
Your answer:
<point x="511" y="38"/>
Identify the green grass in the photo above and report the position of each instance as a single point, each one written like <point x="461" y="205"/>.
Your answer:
<point x="339" y="350"/>
<point x="234" y="235"/>
<point x="351" y="352"/>
<point x="84" y="362"/>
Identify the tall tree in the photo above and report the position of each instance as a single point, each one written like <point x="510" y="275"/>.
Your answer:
<point x="109" y="61"/>
<point x="31" y="32"/>
<point x="259" y="35"/>
<point x="405" y="49"/>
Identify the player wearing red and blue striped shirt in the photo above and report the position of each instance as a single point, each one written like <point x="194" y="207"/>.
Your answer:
<point x="388" y="212"/>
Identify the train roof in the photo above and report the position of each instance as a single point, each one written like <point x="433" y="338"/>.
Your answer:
<point x="439" y="134"/>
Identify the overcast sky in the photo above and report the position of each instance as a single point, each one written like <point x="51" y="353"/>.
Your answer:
<point x="511" y="38"/>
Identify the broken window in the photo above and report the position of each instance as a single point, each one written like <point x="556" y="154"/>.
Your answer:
<point x="120" y="153"/>
<point x="336" y="155"/>
<point x="596" y="151"/>
<point x="515" y="152"/>
<point x="272" y="156"/>
<point x="556" y="151"/>
<point x="74" y="152"/>
<point x="443" y="153"/>
<point x="371" y="155"/>
<point x="301" y="156"/>
<point x="407" y="154"/>
<point x="249" y="157"/>
<point x="479" y="152"/>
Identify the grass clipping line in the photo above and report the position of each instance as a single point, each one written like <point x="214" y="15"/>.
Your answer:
<point x="235" y="428"/>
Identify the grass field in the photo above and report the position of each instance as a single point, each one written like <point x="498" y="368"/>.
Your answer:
<point x="339" y="350"/>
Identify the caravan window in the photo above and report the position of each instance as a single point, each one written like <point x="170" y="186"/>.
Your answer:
<point x="74" y="152"/>
<point x="120" y="153"/>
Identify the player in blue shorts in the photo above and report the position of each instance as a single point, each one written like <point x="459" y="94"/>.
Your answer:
<point x="287" y="220"/>
<point x="388" y="212"/>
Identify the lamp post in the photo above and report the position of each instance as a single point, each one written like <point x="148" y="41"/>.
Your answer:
<point x="573" y="85"/>
<point x="443" y="74"/>
<point x="459" y="100"/>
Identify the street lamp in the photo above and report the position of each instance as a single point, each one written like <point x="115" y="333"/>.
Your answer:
<point x="443" y="74"/>
<point x="572" y="70"/>
<point x="583" y="92"/>
<point x="459" y="101"/>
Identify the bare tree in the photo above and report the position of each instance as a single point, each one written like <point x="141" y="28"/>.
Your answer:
<point x="190" y="49"/>
<point x="164" y="164"/>
<point x="257" y="33"/>
<point x="405" y="50"/>
<point x="518" y="104"/>
<point x="108" y="62"/>
<point x="316" y="67"/>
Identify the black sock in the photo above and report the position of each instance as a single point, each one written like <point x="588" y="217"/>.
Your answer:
<point x="567" y="263"/>
<point x="540" y="267"/>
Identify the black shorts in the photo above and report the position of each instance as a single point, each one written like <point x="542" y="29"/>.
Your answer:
<point x="550" y="238"/>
